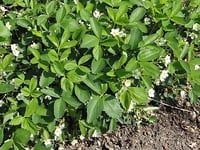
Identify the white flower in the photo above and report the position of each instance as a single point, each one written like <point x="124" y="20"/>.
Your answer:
<point x="183" y="94"/>
<point x="96" y="14"/>
<point x="157" y="82"/>
<point x="136" y="74"/>
<point x="127" y="83"/>
<point x="151" y="92"/>
<point x="131" y="106"/>
<point x="1" y="103"/>
<point x="14" y="50"/>
<point x="167" y="60"/>
<point x="81" y="22"/>
<point x="31" y="137"/>
<point x="47" y="97"/>
<point x="196" y="67"/>
<point x="27" y="148"/>
<point x="4" y="73"/>
<point x="122" y="33"/>
<point x="147" y="21"/>
<point x="62" y="126"/>
<point x="161" y="41"/>
<point x="115" y="32"/>
<point x="20" y="96"/>
<point x="196" y="27"/>
<point x="8" y="25"/>
<point x="47" y="142"/>
<point x="96" y="134"/>
<point x="74" y="142"/>
<point x="164" y="74"/>
<point x="3" y="9"/>
<point x="58" y="132"/>
<point x="82" y="137"/>
<point x="61" y="147"/>
<point x="75" y="1"/>
<point x="193" y="36"/>
<point x="33" y="45"/>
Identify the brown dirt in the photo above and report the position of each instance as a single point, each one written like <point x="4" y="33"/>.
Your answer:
<point x="174" y="130"/>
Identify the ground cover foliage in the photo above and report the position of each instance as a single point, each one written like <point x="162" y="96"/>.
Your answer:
<point x="78" y="68"/>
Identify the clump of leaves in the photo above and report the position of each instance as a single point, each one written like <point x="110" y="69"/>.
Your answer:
<point x="91" y="64"/>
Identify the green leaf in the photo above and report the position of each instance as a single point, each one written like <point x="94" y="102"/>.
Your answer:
<point x="60" y="14"/>
<point x="36" y="53"/>
<point x="98" y="65"/>
<point x="59" y="108"/>
<point x="70" y="65"/>
<point x="42" y="20"/>
<point x="150" y="69"/>
<point x="84" y="59"/>
<point x="185" y="65"/>
<point x="1" y="134"/>
<point x="184" y="51"/>
<point x="123" y="8"/>
<point x="53" y="56"/>
<point x="111" y="13"/>
<point x="4" y="32"/>
<point x="40" y="146"/>
<point x="5" y="88"/>
<point x="51" y="92"/>
<point x="176" y="8"/>
<point x="139" y="95"/>
<point x="96" y="27"/>
<point x="33" y="84"/>
<point x="109" y="42"/>
<point x="136" y="37"/>
<point x="94" y="108"/>
<point x="149" y="53"/>
<point x="53" y="40"/>
<point x="72" y="101"/>
<point x="16" y="121"/>
<point x="150" y="39"/>
<point x="193" y="97"/>
<point x="76" y="77"/>
<point x="29" y="126"/>
<point x="21" y="136"/>
<point x="137" y="14"/>
<point x="147" y="81"/>
<point x="67" y="85"/>
<point x="8" y="116"/>
<point x="97" y="52"/>
<point x="25" y="91"/>
<point x="68" y="44"/>
<point x="82" y="93"/>
<point x="179" y="20"/>
<point x="85" y="15"/>
<point x="7" y="145"/>
<point x="131" y="65"/>
<point x="31" y="108"/>
<point x="23" y="23"/>
<point x="7" y="61"/>
<point x="51" y="7"/>
<point x="93" y="86"/>
<point x="46" y="79"/>
<point x="89" y="41"/>
<point x="125" y="99"/>
<point x="65" y="36"/>
<point x="65" y="55"/>
<point x="59" y="68"/>
<point x="121" y="61"/>
<point x="112" y="107"/>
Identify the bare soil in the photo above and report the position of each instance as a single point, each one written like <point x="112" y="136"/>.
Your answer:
<point x="175" y="129"/>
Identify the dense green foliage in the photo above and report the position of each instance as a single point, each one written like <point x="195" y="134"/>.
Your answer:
<point x="70" y="68"/>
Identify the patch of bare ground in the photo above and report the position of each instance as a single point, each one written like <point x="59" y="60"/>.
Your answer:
<point x="175" y="129"/>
